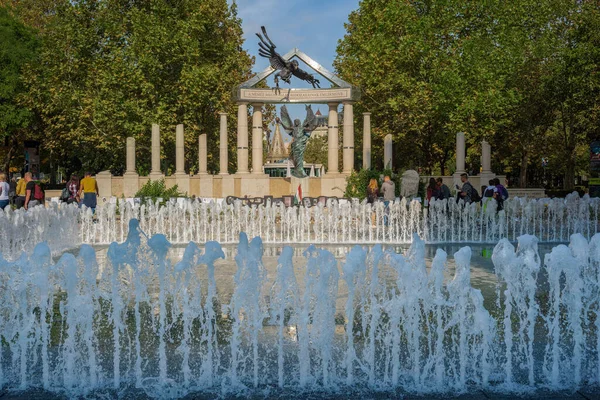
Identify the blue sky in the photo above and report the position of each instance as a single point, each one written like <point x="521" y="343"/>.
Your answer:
<point x="313" y="26"/>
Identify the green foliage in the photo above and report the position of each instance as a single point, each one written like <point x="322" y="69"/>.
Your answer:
<point x="316" y="151"/>
<point x="154" y="189"/>
<point x="109" y="69"/>
<point x="521" y="74"/>
<point x="357" y="182"/>
<point x="19" y="47"/>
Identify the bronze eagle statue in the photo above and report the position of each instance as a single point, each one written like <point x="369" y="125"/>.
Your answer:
<point x="286" y="68"/>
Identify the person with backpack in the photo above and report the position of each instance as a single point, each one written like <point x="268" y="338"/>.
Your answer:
<point x="34" y="194"/>
<point x="70" y="193"/>
<point x="467" y="192"/>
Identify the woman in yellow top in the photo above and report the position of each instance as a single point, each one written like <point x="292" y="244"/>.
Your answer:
<point x="21" y="192"/>
<point x="89" y="187"/>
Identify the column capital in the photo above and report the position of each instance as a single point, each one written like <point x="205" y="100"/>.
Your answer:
<point x="366" y="113"/>
<point x="242" y="103"/>
<point x="333" y="105"/>
<point x="259" y="105"/>
<point x="222" y="113"/>
<point x="349" y="102"/>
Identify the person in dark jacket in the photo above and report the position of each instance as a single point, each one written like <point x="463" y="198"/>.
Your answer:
<point x="443" y="188"/>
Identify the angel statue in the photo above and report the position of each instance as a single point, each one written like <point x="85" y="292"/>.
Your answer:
<point x="300" y="135"/>
<point x="287" y="68"/>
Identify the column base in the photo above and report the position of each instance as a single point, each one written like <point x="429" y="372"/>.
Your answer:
<point x="156" y="176"/>
<point x="182" y="180"/>
<point x="333" y="184"/>
<point x="131" y="184"/>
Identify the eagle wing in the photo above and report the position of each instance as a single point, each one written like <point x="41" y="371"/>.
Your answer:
<point x="310" y="122"/>
<point x="286" y="121"/>
<point x="267" y="50"/>
<point x="305" y="76"/>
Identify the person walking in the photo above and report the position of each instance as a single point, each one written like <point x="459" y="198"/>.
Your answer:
<point x="4" y="190"/>
<point x="443" y="188"/>
<point x="20" y="192"/>
<point x="31" y="198"/>
<point x="433" y="190"/>
<point x="467" y="192"/>
<point x="73" y="189"/>
<point x="89" y="188"/>
<point x="388" y="189"/>
<point x="372" y="196"/>
<point x="489" y="194"/>
<point x="372" y="191"/>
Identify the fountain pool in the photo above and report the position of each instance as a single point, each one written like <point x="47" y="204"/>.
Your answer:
<point x="263" y="319"/>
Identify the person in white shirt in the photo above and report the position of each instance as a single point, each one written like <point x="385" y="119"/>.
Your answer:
<point x="4" y="189"/>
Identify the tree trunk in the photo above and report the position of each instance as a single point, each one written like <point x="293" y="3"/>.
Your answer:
<point x="523" y="173"/>
<point x="569" y="182"/>
<point x="8" y="158"/>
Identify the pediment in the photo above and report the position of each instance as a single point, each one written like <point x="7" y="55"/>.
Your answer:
<point x="335" y="81"/>
<point x="340" y="90"/>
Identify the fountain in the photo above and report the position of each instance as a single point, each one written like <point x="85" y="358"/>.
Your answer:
<point x="152" y="312"/>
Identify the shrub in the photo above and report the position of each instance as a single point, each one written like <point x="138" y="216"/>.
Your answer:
<point x="153" y="190"/>
<point x="357" y="182"/>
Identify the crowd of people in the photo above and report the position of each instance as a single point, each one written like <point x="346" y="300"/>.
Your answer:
<point x="438" y="190"/>
<point x="27" y="192"/>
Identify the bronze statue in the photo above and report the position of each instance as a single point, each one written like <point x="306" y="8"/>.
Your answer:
<point x="300" y="135"/>
<point x="286" y="68"/>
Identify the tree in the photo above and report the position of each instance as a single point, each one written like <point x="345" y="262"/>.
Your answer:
<point x="521" y="74"/>
<point x="19" y="47"/>
<point x="316" y="150"/>
<point x="111" y="68"/>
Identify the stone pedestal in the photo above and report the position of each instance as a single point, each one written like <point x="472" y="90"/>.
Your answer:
<point x="348" y="145"/>
<point x="202" y="155"/>
<point x="242" y="139"/>
<point x="182" y="180"/>
<point x="303" y="182"/>
<point x="367" y="140"/>
<point x="332" y="140"/>
<point x="387" y="152"/>
<point x="254" y="185"/>
<point x="205" y="185"/>
<point x="104" y="180"/>
<point x="155" y="173"/>
<point x="131" y="184"/>
<point x="333" y="184"/>
<point x="223" y="151"/>
<point x="257" y="139"/>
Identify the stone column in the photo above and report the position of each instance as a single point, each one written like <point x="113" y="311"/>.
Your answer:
<point x="332" y="140"/>
<point x="202" y="155"/>
<point x="460" y="152"/>
<point x="130" y="177"/>
<point x="257" y="139"/>
<point x="223" y="151"/>
<point x="179" y="150"/>
<point x="242" y="139"/>
<point x="130" y="165"/>
<point x="486" y="154"/>
<point x="387" y="152"/>
<point x="348" y="153"/>
<point x="155" y="151"/>
<point x="367" y="140"/>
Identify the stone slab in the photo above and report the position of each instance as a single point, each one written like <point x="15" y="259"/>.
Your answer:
<point x="295" y="95"/>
